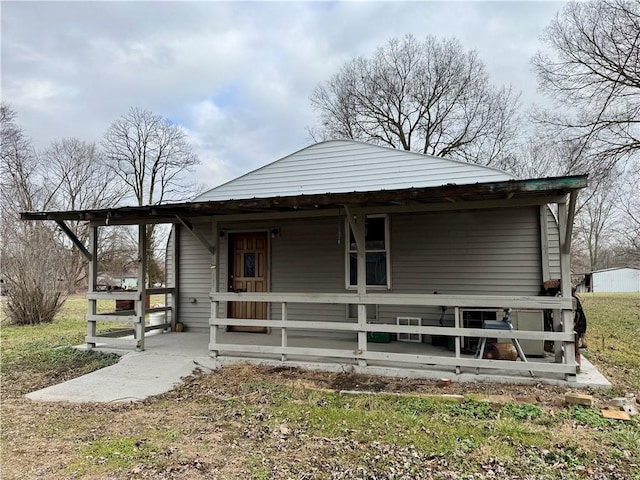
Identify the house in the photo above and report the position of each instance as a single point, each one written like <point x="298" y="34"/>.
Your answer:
<point x="619" y="279"/>
<point x="351" y="254"/>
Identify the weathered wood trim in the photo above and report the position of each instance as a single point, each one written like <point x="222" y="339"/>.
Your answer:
<point x="142" y="286"/>
<point x="114" y="295"/>
<point x="541" y="187"/>
<point x="125" y="342"/>
<point x="76" y="241"/>
<point x="390" y="328"/>
<point x="197" y="235"/>
<point x="467" y="301"/>
<point x="92" y="304"/>
<point x="105" y="317"/>
<point x="175" y="298"/>
<point x="402" y="358"/>
<point x="158" y="291"/>
<point x="569" y="222"/>
<point x="469" y="362"/>
<point x="544" y="243"/>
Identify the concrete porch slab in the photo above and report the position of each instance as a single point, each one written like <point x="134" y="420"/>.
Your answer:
<point x="171" y="356"/>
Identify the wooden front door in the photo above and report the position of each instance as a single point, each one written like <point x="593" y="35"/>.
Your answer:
<point x="248" y="268"/>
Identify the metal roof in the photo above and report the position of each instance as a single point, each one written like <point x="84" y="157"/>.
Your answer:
<point x="344" y="166"/>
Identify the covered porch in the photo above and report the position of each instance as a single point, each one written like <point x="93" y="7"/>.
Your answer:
<point x="318" y="343"/>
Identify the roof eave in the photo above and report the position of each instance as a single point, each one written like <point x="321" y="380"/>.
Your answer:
<point x="167" y="213"/>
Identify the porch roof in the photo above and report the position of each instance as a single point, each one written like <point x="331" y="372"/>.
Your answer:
<point x="444" y="194"/>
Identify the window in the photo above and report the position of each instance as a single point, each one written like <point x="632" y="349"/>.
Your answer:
<point x="377" y="254"/>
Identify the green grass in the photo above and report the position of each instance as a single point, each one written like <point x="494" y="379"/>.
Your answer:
<point x="612" y="337"/>
<point x="35" y="356"/>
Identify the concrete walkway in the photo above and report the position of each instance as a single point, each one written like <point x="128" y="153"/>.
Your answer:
<point x="171" y="356"/>
<point x="137" y="375"/>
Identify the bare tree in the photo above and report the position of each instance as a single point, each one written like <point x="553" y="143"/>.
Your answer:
<point x="29" y="258"/>
<point x="628" y="228"/>
<point x="151" y="156"/>
<point x="591" y="69"/>
<point x="431" y="97"/>
<point x="78" y="180"/>
<point x="595" y="222"/>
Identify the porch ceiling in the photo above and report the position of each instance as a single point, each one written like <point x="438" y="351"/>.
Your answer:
<point x="168" y="213"/>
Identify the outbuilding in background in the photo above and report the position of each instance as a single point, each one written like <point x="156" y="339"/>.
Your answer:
<point x="619" y="279"/>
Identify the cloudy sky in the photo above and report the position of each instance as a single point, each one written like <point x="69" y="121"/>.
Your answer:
<point x="236" y="75"/>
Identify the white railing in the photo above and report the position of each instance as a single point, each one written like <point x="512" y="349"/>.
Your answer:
<point x="362" y="327"/>
<point x="136" y="317"/>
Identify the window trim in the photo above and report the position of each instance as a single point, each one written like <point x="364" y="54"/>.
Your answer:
<point x="386" y="251"/>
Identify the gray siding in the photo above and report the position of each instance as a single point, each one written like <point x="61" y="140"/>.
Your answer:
<point x="475" y="252"/>
<point x="480" y="252"/>
<point x="304" y="258"/>
<point x="195" y="279"/>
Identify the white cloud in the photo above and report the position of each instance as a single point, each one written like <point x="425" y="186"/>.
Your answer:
<point x="237" y="76"/>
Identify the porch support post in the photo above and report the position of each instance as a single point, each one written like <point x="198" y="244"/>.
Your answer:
<point x="175" y="296"/>
<point x="457" y="340"/>
<point x="142" y="287"/>
<point x="565" y="284"/>
<point x="357" y="222"/>
<point x="544" y="243"/>
<point x="213" y="327"/>
<point x="284" y="339"/>
<point x="91" y="281"/>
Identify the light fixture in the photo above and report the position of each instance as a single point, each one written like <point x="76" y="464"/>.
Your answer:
<point x="274" y="232"/>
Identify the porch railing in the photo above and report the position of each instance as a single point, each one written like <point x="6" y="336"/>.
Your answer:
<point x="135" y="317"/>
<point x="563" y="336"/>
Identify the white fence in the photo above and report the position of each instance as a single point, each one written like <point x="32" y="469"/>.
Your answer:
<point x="135" y="317"/>
<point x="563" y="336"/>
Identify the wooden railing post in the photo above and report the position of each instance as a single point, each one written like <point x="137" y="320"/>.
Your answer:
<point x="284" y="339"/>
<point x="213" y="330"/>
<point x="457" y="340"/>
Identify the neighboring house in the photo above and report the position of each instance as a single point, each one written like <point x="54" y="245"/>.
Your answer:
<point x="619" y="279"/>
<point x="342" y="245"/>
<point x="127" y="281"/>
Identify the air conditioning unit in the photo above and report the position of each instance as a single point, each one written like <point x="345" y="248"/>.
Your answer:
<point x="412" y="322"/>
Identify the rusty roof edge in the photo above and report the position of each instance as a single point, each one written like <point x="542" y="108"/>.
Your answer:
<point x="163" y="211"/>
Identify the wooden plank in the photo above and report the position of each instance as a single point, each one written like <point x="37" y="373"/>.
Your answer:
<point x="114" y="295"/>
<point x="157" y="309"/>
<point x="101" y="317"/>
<point x="401" y="358"/>
<point x="117" y="333"/>
<point x="127" y="342"/>
<point x="76" y="241"/>
<point x="468" y="301"/>
<point x="469" y="362"/>
<point x="389" y="328"/>
<point x="203" y="241"/>
<point x="279" y="350"/>
<point x="161" y="326"/>
<point x="290" y="324"/>
<point x="159" y="291"/>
